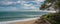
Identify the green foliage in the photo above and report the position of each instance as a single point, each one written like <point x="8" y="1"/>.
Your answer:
<point x="56" y="5"/>
<point x="43" y="7"/>
<point x="52" y="18"/>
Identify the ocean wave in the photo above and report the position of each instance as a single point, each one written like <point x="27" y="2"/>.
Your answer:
<point x="31" y="15"/>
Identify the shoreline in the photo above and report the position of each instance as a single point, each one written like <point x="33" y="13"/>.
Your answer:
<point x="25" y="22"/>
<point x="20" y="21"/>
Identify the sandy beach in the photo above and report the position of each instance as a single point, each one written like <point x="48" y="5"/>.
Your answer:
<point x="25" y="22"/>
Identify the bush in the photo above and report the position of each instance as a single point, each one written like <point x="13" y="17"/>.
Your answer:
<point x="52" y="18"/>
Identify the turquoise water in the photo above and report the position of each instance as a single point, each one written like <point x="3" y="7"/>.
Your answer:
<point x="8" y="16"/>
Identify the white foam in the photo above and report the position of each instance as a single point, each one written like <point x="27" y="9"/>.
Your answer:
<point x="8" y="22"/>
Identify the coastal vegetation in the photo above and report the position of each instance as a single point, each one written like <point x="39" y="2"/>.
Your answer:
<point x="52" y="18"/>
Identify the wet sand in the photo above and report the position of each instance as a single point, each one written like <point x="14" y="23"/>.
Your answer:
<point x="25" y="22"/>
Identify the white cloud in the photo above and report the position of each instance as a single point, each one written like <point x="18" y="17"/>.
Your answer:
<point x="38" y="1"/>
<point x="31" y="6"/>
<point x="18" y="2"/>
<point x="27" y="4"/>
<point x="7" y="2"/>
<point x="24" y="4"/>
<point x="34" y="8"/>
<point x="12" y="9"/>
<point x="25" y="8"/>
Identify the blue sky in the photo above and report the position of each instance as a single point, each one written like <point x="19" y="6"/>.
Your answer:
<point x="20" y="5"/>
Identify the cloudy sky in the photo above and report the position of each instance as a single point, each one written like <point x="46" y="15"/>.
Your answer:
<point x="18" y="5"/>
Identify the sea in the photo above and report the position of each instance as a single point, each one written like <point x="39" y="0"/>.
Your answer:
<point x="11" y="16"/>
